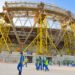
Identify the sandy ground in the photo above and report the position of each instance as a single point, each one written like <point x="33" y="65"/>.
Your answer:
<point x="10" y="69"/>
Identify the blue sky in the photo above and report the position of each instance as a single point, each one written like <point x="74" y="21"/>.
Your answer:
<point x="65" y="4"/>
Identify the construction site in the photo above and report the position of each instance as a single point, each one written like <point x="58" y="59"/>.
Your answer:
<point x="37" y="29"/>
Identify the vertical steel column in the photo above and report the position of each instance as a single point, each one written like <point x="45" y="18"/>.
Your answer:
<point x="41" y="39"/>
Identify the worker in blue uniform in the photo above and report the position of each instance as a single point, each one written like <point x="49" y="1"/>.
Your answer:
<point x="20" y="64"/>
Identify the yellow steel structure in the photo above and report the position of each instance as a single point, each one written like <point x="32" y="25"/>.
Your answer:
<point x="72" y="26"/>
<point x="68" y="37"/>
<point x="44" y="41"/>
<point x="4" y="39"/>
<point x="41" y="40"/>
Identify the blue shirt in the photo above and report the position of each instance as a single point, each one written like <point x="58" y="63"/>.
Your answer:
<point x="22" y="59"/>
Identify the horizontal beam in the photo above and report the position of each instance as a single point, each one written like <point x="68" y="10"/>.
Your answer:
<point x="24" y="6"/>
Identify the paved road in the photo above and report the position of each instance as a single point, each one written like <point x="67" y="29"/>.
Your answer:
<point x="10" y="69"/>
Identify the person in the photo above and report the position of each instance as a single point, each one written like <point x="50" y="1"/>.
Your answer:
<point x="26" y="61"/>
<point x="40" y="63"/>
<point x="37" y="64"/>
<point x="43" y="61"/>
<point x="46" y="65"/>
<point x="19" y="67"/>
<point x="20" y="64"/>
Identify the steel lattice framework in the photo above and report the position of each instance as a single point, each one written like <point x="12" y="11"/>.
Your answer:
<point x="41" y="14"/>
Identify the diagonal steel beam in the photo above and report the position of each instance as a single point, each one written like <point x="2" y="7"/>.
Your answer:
<point x="13" y="26"/>
<point x="30" y="32"/>
<point x="60" y="37"/>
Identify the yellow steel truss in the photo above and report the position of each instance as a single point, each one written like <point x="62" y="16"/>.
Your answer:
<point x="4" y="39"/>
<point x="41" y="40"/>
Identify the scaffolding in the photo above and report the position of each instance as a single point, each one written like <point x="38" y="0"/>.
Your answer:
<point x="4" y="39"/>
<point x="45" y="40"/>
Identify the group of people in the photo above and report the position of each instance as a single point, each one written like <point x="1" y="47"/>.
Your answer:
<point x="42" y="64"/>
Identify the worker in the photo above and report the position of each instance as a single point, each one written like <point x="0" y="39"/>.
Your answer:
<point x="20" y="64"/>
<point x="40" y="63"/>
<point x="46" y="65"/>
<point x="43" y="61"/>
<point x="26" y="61"/>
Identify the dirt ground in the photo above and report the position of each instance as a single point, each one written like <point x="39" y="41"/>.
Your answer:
<point x="11" y="69"/>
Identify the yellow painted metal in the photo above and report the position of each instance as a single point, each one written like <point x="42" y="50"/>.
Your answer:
<point x="41" y="36"/>
<point x="46" y="35"/>
<point x="41" y="40"/>
<point x="68" y="37"/>
<point x="66" y="44"/>
<point x="65" y="38"/>
<point x="72" y="26"/>
<point x="30" y="43"/>
<point x="52" y="44"/>
<point x="4" y="39"/>
<point x="46" y="41"/>
<point x="3" y="36"/>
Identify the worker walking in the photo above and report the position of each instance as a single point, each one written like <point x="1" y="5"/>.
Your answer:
<point x="46" y="65"/>
<point x="20" y="64"/>
<point x="40" y="64"/>
<point x="43" y="61"/>
<point x="37" y="64"/>
<point x="26" y="61"/>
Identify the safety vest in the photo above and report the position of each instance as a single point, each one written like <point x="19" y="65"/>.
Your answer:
<point x="46" y="62"/>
